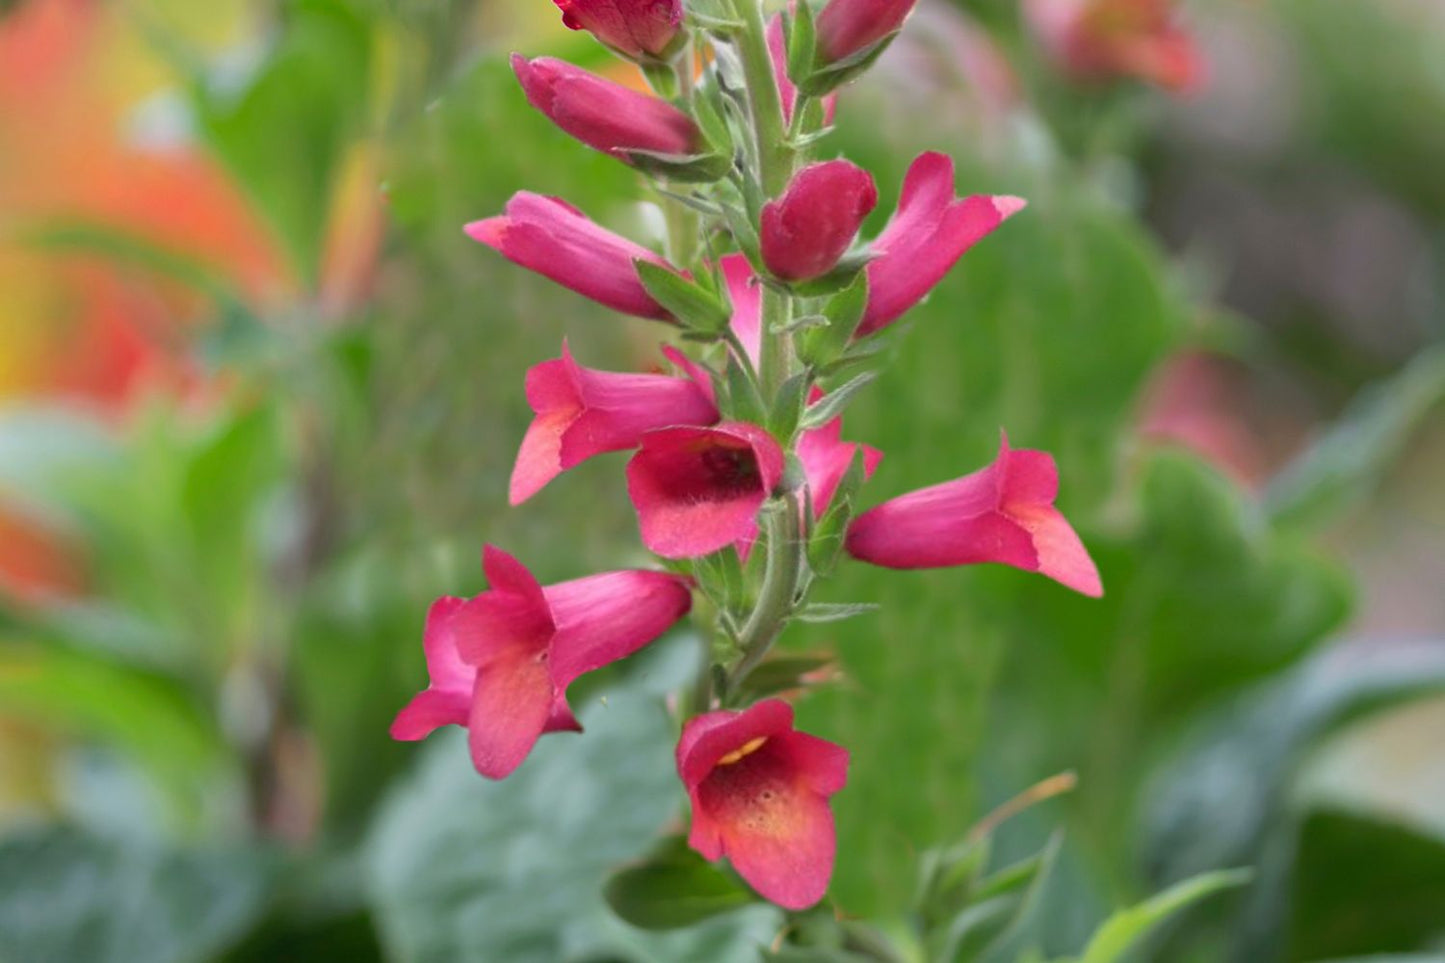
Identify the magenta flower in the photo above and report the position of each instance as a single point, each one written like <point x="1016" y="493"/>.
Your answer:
<point x="1003" y="513"/>
<point x="697" y="490"/>
<point x="553" y="238"/>
<point x="929" y="232"/>
<point x="583" y="412"/>
<point x="1099" y="40"/>
<point x="635" y="28"/>
<point x="847" y="28"/>
<point x="500" y="663"/>
<point x="809" y="228"/>
<point x="601" y="114"/>
<point x="778" y="49"/>
<point x="759" y="791"/>
<point x="747" y="299"/>
<point x="826" y="458"/>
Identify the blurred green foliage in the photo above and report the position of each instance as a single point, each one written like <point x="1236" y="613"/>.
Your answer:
<point x="261" y="568"/>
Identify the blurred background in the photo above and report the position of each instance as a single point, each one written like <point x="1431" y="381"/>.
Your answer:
<point x="259" y="400"/>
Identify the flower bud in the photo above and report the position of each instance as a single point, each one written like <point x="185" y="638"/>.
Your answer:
<point x="850" y="28"/>
<point x="809" y="228"/>
<point x="603" y="115"/>
<point x="556" y="240"/>
<point x="639" y="29"/>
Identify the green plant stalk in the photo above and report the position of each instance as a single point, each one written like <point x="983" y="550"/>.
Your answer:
<point x="779" y="591"/>
<point x="775" y="151"/>
<point x="684" y="226"/>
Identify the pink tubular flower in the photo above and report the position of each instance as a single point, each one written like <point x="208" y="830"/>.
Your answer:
<point x="1094" y="40"/>
<point x="636" y="28"/>
<point x="553" y="238"/>
<point x="929" y="232"/>
<point x="847" y="28"/>
<point x="601" y="114"/>
<point x="747" y="299"/>
<point x="500" y="663"/>
<point x="809" y="228"/>
<point x="697" y="490"/>
<point x="826" y="457"/>
<point x="778" y="49"/>
<point x="1003" y="513"/>
<point x="583" y="412"/>
<point x="759" y="791"/>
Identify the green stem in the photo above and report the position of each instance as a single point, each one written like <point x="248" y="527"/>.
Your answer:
<point x="780" y="586"/>
<point x="684" y="226"/>
<point x="775" y="152"/>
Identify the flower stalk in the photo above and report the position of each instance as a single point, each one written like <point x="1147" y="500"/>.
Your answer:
<point x="740" y="476"/>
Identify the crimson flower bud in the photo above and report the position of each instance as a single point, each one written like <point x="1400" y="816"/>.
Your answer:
<point x="640" y="29"/>
<point x="807" y="230"/>
<point x="603" y="115"/>
<point x="553" y="238"/>
<point x="849" y="28"/>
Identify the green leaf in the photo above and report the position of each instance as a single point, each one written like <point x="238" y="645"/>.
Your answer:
<point x="788" y="406"/>
<point x="821" y="347"/>
<point x="1357" y="449"/>
<point x="146" y="717"/>
<point x="71" y="897"/>
<point x="814" y="954"/>
<point x="833" y="611"/>
<point x="464" y="870"/>
<point x="672" y="888"/>
<point x="785" y="673"/>
<point x="697" y="309"/>
<point x="309" y="93"/>
<point x="1365" y="884"/>
<point x="1127" y="928"/>
<point x="832" y="404"/>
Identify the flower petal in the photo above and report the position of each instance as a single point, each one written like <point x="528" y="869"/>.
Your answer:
<point x="511" y="706"/>
<point x="607" y="617"/>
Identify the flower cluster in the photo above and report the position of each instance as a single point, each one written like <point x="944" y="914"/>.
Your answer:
<point x="739" y="473"/>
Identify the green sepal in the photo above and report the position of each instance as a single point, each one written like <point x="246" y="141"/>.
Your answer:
<point x="684" y="168"/>
<point x="696" y="309"/>
<point x="801" y="40"/>
<point x="843" y="274"/>
<point x="827" y="78"/>
<point x="825" y="547"/>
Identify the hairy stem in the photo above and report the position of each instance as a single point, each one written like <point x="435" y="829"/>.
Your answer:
<point x="780" y="586"/>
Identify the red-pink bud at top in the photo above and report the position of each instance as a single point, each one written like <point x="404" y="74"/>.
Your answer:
<point x="553" y="238"/>
<point x="500" y="663"/>
<point x="849" y="27"/>
<point x="583" y="412"/>
<point x="929" y="232"/>
<point x="604" y="115"/>
<point x="636" y="28"/>
<point x="1003" y="513"/>
<point x="747" y="299"/>
<point x="1097" y="40"/>
<point x="759" y="791"/>
<point x="778" y="48"/>
<point x="697" y="490"/>
<point x="809" y="228"/>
